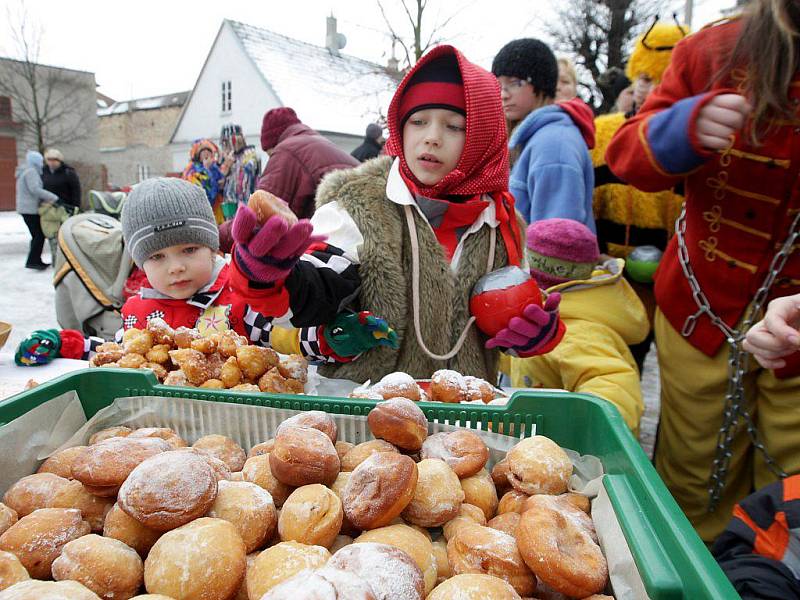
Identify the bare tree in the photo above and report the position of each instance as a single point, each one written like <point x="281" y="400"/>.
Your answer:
<point x="48" y="102"/>
<point x="599" y="33"/>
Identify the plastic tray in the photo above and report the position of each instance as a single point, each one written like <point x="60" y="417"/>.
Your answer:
<point x="672" y="560"/>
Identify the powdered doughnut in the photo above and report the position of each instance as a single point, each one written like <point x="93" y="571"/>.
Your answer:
<point x="507" y="523"/>
<point x="120" y="526"/>
<point x="579" y="501"/>
<point x="512" y="501"/>
<point x="340" y="542"/>
<point x="485" y="550"/>
<point x="448" y="386"/>
<point x="222" y="448"/>
<point x="566" y="508"/>
<point x="410" y="541"/>
<point x="561" y="552"/>
<point x="8" y="516"/>
<point x="257" y="470"/>
<point x="343" y="448"/>
<point x="60" y="463"/>
<point x="221" y="471"/>
<point x="109" y="432"/>
<point x="463" y="450"/>
<point x="474" y="586"/>
<point x="500" y="476"/>
<point x="203" y="560"/>
<point x="249" y="508"/>
<point x="468" y="514"/>
<point x="311" y="515"/>
<point x="262" y="448"/>
<point x="315" y="419"/>
<point x="302" y="456"/>
<point x="164" y="433"/>
<point x="400" y="422"/>
<point x="11" y="570"/>
<point x="48" y="590"/>
<point x="442" y="564"/>
<point x="281" y="562"/>
<point x="359" y="453"/>
<point x="396" y="385"/>
<point x="37" y="539"/>
<point x="106" y="566"/>
<point x="480" y="491"/>
<point x="392" y="574"/>
<point x="437" y="496"/>
<point x="33" y="492"/>
<point x="323" y="584"/>
<point x="379" y="489"/>
<point x="537" y="465"/>
<point x="93" y="508"/>
<point x="168" y="490"/>
<point x="108" y="463"/>
<point x="478" y="390"/>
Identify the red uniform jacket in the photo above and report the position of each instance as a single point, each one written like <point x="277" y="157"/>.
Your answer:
<point x="739" y="203"/>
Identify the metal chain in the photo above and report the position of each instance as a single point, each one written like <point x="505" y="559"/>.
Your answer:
<point x="735" y="408"/>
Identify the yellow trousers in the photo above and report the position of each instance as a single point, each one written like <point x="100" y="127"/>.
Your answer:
<point x="693" y="388"/>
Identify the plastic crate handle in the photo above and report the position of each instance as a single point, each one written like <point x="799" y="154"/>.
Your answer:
<point x="659" y="575"/>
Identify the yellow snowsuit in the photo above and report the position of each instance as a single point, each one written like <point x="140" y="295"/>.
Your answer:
<point x="603" y="316"/>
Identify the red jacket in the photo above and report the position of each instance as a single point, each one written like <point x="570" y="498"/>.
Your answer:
<point x="739" y="203"/>
<point x="299" y="161"/>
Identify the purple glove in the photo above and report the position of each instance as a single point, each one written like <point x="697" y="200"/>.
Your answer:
<point x="268" y="252"/>
<point x="537" y="331"/>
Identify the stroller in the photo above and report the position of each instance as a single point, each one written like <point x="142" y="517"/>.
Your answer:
<point x="91" y="271"/>
<point x="107" y="203"/>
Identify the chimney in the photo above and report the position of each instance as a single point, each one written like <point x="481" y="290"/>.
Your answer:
<point x="333" y="41"/>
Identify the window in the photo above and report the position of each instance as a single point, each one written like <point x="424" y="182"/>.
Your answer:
<point x="226" y="96"/>
<point x="5" y="108"/>
<point x="143" y="172"/>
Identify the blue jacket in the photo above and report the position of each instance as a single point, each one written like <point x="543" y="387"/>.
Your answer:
<point x="553" y="176"/>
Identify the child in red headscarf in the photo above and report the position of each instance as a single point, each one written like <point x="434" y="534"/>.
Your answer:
<point x="429" y="220"/>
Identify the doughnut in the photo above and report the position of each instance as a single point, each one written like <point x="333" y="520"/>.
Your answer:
<point x="161" y="332"/>
<point x="294" y="367"/>
<point x="266" y="205"/>
<point x="442" y="564"/>
<point x="165" y="433"/>
<point x="474" y="586"/>
<point x="322" y="584"/>
<point x="254" y="361"/>
<point x="512" y="501"/>
<point x="396" y="385"/>
<point x="343" y="448"/>
<point x="340" y="542"/>
<point x="507" y="523"/>
<point x="448" y="386"/>
<point x="561" y="552"/>
<point x="194" y="364"/>
<point x="108" y="463"/>
<point x="437" y="496"/>
<point x="485" y="550"/>
<point x="262" y="448"/>
<point x="228" y="341"/>
<point x="272" y="382"/>
<point x="410" y="541"/>
<point x="93" y="508"/>
<point x="33" y="492"/>
<point x="311" y="515"/>
<point x="204" y="559"/>
<point x="8" y="516"/>
<point x="60" y="463"/>
<point x="221" y="470"/>
<point x="120" y="526"/>
<point x="359" y="453"/>
<point x="223" y="448"/>
<point x="468" y="514"/>
<point x="315" y="419"/>
<point x="48" y="590"/>
<point x="400" y="422"/>
<point x="537" y="465"/>
<point x="478" y="390"/>
<point x="137" y="341"/>
<point x="11" y="570"/>
<point x="392" y="574"/>
<point x="302" y="456"/>
<point x="257" y="470"/>
<point x="249" y="508"/>
<point x="480" y="491"/>
<point x="158" y="354"/>
<point x="281" y="562"/>
<point x="183" y="336"/>
<point x="379" y="489"/>
<point x="566" y="508"/>
<point x="463" y="450"/>
<point x="579" y="501"/>
<point x="37" y="538"/>
<point x="104" y="565"/>
<point x="500" y="476"/>
<point x="169" y="490"/>
<point x="229" y="373"/>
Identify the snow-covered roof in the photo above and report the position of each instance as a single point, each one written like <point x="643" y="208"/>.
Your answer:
<point x="177" y="99"/>
<point x="328" y="92"/>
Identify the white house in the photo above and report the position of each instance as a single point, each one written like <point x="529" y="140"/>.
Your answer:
<point x="251" y="70"/>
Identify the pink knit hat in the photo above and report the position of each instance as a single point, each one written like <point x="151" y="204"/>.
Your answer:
<point x="561" y="250"/>
<point x="274" y="124"/>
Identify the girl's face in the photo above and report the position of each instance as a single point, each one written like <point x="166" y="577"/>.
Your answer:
<point x="180" y="271"/>
<point x="566" y="89"/>
<point x="433" y="140"/>
<point x="205" y="154"/>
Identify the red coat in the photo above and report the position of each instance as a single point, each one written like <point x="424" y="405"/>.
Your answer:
<point x="299" y="161"/>
<point x="740" y="203"/>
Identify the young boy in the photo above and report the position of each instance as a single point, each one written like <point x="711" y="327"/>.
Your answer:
<point x="602" y="314"/>
<point x="426" y="222"/>
<point x="170" y="232"/>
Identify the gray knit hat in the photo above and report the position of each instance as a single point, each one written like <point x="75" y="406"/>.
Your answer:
<point x="163" y="212"/>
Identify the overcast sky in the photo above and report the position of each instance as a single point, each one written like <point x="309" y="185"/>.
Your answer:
<point x="148" y="47"/>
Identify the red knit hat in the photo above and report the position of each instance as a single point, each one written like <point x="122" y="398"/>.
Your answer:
<point x="437" y="84"/>
<point x="561" y="250"/>
<point x="274" y="124"/>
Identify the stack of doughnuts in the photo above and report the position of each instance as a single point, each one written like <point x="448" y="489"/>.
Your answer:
<point x="445" y="386"/>
<point x="405" y="516"/>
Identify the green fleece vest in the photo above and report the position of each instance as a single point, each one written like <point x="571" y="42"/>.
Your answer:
<point x="385" y="273"/>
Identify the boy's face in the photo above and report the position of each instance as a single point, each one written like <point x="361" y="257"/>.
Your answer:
<point x="180" y="271"/>
<point x="518" y="97"/>
<point x="432" y="143"/>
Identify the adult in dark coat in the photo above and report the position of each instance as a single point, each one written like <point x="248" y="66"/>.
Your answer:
<point x="372" y="144"/>
<point x="61" y="179"/>
<point x="299" y="158"/>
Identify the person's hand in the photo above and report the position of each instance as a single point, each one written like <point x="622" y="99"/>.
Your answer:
<point x="536" y="331"/>
<point x="776" y="335"/>
<point x="44" y="345"/>
<point x="208" y="162"/>
<point x="718" y="120"/>
<point x="268" y="252"/>
<point x="350" y="334"/>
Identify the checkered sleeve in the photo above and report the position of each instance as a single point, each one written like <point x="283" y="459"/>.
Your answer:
<point x="260" y="329"/>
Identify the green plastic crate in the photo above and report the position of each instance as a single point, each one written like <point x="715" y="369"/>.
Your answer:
<point x="673" y="562"/>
